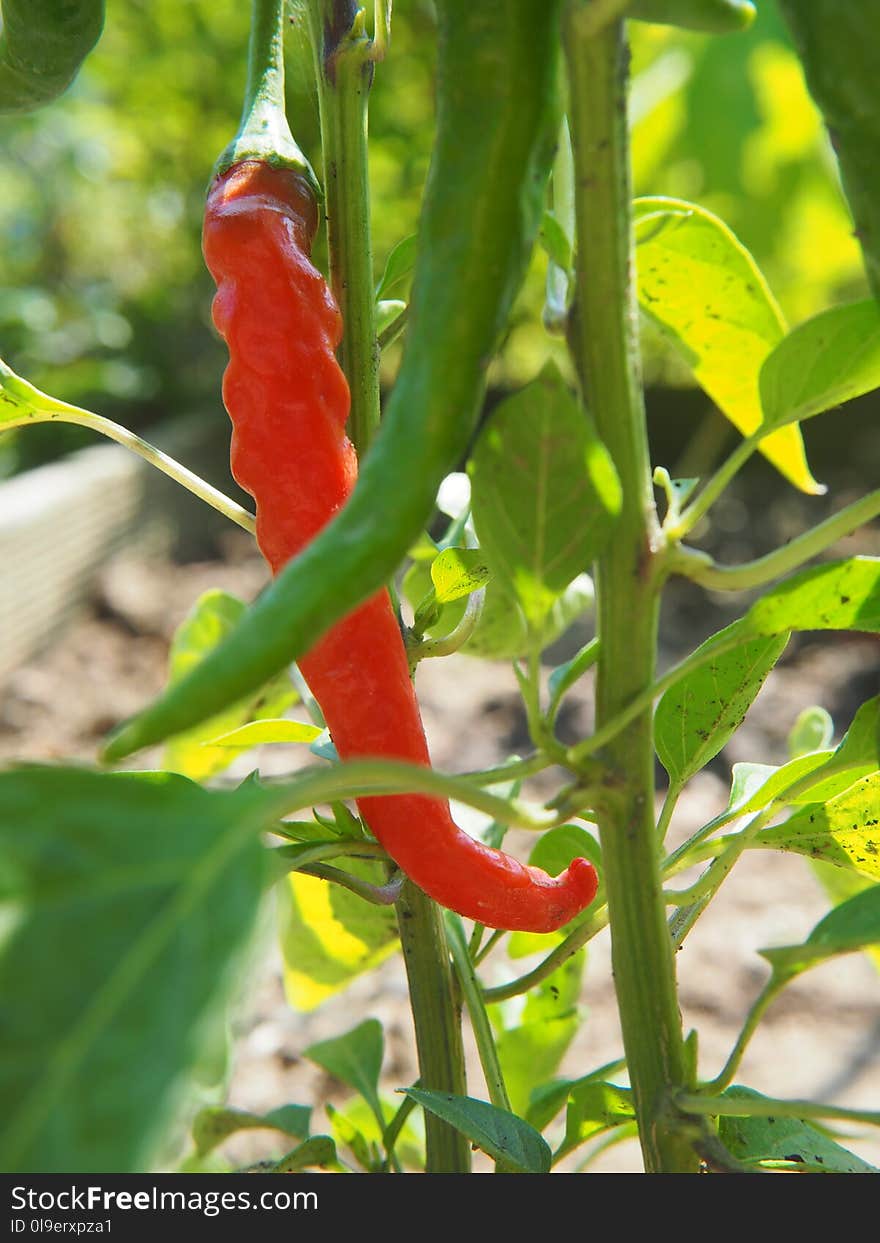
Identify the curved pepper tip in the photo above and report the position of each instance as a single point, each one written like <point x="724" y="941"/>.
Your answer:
<point x="584" y="880"/>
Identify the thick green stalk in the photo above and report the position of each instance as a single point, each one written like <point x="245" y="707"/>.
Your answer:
<point x="437" y="1021"/>
<point x="604" y="343"/>
<point x="344" y="71"/>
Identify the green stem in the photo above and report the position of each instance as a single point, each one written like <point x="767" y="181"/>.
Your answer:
<point x="511" y="771"/>
<point x="694" y="900"/>
<point x="263" y="133"/>
<point x="38" y="407"/>
<point x="480" y="953"/>
<point x="540" y="729"/>
<point x="381" y="28"/>
<point x="344" y="71"/>
<point x="668" y="810"/>
<point x="396" y="1125"/>
<point x="604" y="342"/>
<point x="292" y="858"/>
<point x="425" y="649"/>
<point x="563" y="951"/>
<point x="714" y="487"/>
<point x="476" y="1008"/>
<point x="378" y="895"/>
<point x="611" y="729"/>
<point x="701" y="569"/>
<point x="357" y="778"/>
<point x="565" y="676"/>
<point x="437" y="1022"/>
<point x="769" y="1107"/>
<point x="767" y="994"/>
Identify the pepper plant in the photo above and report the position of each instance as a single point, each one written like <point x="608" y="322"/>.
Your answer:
<point x="153" y="881"/>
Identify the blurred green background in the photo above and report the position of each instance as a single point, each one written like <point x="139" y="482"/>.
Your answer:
<point x="104" y="300"/>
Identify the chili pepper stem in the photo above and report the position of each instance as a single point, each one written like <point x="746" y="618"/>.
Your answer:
<point x="344" y="73"/>
<point x="604" y="343"/>
<point x="263" y="132"/>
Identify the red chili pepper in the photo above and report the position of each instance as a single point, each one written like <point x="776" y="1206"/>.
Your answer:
<point x="288" y="400"/>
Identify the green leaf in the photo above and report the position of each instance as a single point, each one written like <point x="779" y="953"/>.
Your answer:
<point x="845" y="830"/>
<point x="329" y="936"/>
<point x="545" y="494"/>
<point x="504" y="1136"/>
<point x="840" y="885"/>
<point x="398" y="266"/>
<point x="216" y="1123"/>
<point x="21" y="403"/>
<point x="546" y="1101"/>
<point x="213" y="617"/>
<point x="830" y="359"/>
<point x="388" y="312"/>
<point x="594" y="1106"/>
<point x="812" y="731"/>
<point x="355" y="1058"/>
<point x="320" y="1150"/>
<point x="553" y="238"/>
<point x="351" y="1136"/>
<point x="699" y="714"/>
<point x="128" y="899"/>
<point x="704" y="292"/>
<point x="501" y="632"/>
<point x="839" y="595"/>
<point x="531" y="1051"/>
<point x="356" y="1119"/>
<point x="757" y="1141"/>
<point x="857" y="755"/>
<point x="260" y="733"/>
<point x="755" y="786"/>
<point x="854" y="925"/>
<point x="458" y="572"/>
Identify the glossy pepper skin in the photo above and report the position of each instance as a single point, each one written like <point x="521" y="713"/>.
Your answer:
<point x="288" y="401"/>
<point x="481" y="211"/>
<point x="42" y="45"/>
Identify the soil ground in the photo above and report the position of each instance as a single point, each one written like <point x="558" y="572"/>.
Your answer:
<point x="821" y="1039"/>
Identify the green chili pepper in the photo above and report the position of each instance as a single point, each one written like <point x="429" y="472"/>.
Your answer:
<point x="838" y="42"/>
<point x="715" y="17"/>
<point x="497" y="121"/>
<point x="42" y="45"/>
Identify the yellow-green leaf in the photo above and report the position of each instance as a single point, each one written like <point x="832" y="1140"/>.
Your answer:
<point x="196" y="753"/>
<point x="845" y="830"/>
<point x="457" y="572"/>
<point x="329" y="936"/>
<point x="259" y="733"/>
<point x="700" y="286"/>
